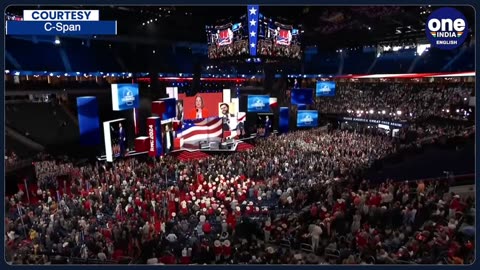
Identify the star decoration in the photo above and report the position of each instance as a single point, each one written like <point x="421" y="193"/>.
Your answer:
<point x="253" y="11"/>
<point x="252" y="34"/>
<point x="253" y="22"/>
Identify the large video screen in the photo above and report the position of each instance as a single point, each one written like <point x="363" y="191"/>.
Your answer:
<point x="125" y="96"/>
<point x="301" y="96"/>
<point x="227" y="40"/>
<point x="307" y="118"/>
<point x="265" y="124"/>
<point x="203" y="105"/>
<point x="274" y="39"/>
<point x="325" y="89"/>
<point x="180" y="112"/>
<point x="115" y="138"/>
<point x="258" y="104"/>
<point x="278" y="40"/>
<point x="228" y="113"/>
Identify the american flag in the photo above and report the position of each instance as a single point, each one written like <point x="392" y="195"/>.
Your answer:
<point x="225" y="37"/>
<point x="284" y="37"/>
<point x="201" y="129"/>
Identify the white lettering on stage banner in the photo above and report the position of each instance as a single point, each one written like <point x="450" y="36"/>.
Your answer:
<point x="151" y="135"/>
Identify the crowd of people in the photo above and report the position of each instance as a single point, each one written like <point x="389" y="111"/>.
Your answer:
<point x="400" y="101"/>
<point x="11" y="159"/>
<point x="297" y="198"/>
<point x="47" y="172"/>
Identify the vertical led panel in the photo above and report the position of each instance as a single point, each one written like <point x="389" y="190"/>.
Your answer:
<point x="227" y="95"/>
<point x="283" y="124"/>
<point x="88" y="120"/>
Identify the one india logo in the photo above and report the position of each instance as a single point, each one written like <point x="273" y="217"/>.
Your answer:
<point x="446" y="28"/>
<point x="441" y="34"/>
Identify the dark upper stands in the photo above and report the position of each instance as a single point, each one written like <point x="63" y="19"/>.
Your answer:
<point x="45" y="123"/>
<point x="34" y="56"/>
<point x="96" y="55"/>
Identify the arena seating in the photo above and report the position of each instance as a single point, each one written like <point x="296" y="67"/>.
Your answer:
<point x="412" y="100"/>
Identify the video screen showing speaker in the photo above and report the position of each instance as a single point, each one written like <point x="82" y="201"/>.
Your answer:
<point x="115" y="138"/>
<point x="180" y="111"/>
<point x="266" y="36"/>
<point x="201" y="106"/>
<point x="227" y="40"/>
<point x="258" y="104"/>
<point x="325" y="89"/>
<point x="279" y="40"/>
<point x="301" y="96"/>
<point x="125" y="96"/>
<point x="226" y="111"/>
<point x="307" y="118"/>
<point x="293" y="83"/>
<point x="265" y="124"/>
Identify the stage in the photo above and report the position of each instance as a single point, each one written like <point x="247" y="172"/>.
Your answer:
<point x="206" y="147"/>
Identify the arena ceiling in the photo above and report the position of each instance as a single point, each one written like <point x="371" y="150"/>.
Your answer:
<point x="324" y="26"/>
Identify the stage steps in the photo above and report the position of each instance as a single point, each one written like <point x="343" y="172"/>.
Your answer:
<point x="243" y="146"/>
<point x="196" y="155"/>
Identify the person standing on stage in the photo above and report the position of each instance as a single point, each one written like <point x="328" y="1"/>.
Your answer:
<point x="122" y="139"/>
<point x="120" y="145"/>
<point x="180" y="112"/>
<point x="168" y="139"/>
<point x="268" y="126"/>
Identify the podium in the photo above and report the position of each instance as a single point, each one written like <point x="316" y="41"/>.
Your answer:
<point x="142" y="144"/>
